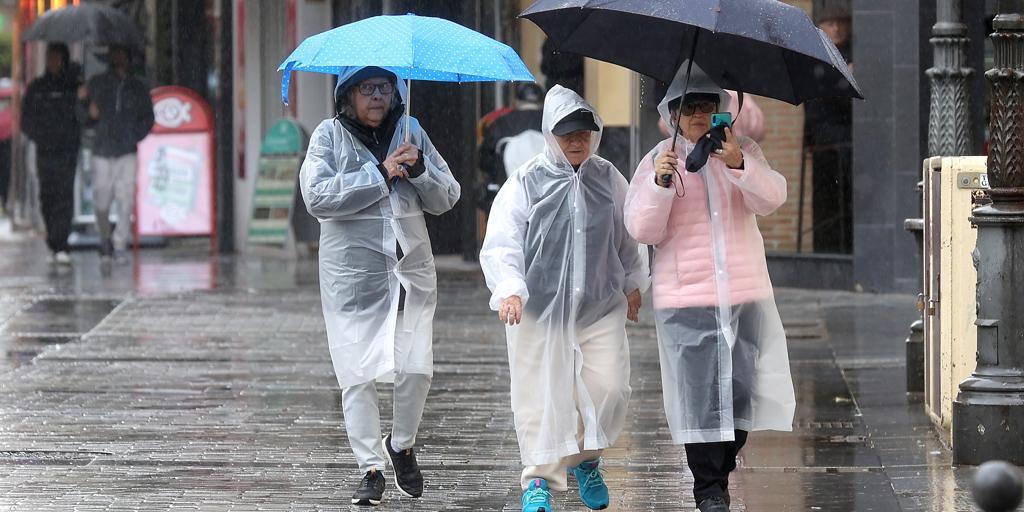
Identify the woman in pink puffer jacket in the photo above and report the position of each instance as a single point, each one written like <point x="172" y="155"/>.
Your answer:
<point x="724" y="362"/>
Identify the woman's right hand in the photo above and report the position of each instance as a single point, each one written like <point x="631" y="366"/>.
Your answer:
<point x="511" y="310"/>
<point x="665" y="165"/>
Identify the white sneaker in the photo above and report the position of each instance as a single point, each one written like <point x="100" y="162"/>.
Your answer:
<point x="62" y="258"/>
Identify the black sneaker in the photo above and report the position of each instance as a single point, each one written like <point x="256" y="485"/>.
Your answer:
<point x="407" y="472"/>
<point x="713" y="504"/>
<point x="370" y="490"/>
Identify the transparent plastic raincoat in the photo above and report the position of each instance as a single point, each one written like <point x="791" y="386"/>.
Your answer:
<point x="555" y="237"/>
<point x="362" y="222"/>
<point x="724" y="361"/>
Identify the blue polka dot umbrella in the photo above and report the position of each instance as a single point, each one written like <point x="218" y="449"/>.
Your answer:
<point x="413" y="47"/>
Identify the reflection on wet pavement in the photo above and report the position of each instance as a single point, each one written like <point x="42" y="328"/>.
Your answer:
<point x="185" y="382"/>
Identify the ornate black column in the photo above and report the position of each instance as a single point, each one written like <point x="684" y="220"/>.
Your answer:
<point x="949" y="125"/>
<point x="949" y="134"/>
<point x="988" y="413"/>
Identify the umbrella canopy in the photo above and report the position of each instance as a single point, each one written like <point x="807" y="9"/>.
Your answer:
<point x="763" y="47"/>
<point x="96" y="23"/>
<point x="413" y="47"/>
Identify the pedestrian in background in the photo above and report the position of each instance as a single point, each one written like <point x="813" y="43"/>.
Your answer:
<point x="828" y="138"/>
<point x="48" y="119"/>
<point x="117" y="105"/>
<point x="510" y="140"/>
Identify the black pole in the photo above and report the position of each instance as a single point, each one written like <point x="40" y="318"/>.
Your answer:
<point x="470" y="99"/>
<point x="988" y="413"/>
<point x="224" y="115"/>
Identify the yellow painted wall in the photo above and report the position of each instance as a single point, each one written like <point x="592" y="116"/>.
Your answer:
<point x="607" y="85"/>
<point x="608" y="89"/>
<point x="531" y="37"/>
<point x="957" y="286"/>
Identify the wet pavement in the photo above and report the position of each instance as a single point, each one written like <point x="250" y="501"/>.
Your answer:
<point x="184" y="382"/>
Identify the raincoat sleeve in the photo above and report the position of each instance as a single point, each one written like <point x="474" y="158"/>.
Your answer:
<point x="637" y="277"/>
<point x="437" y="188"/>
<point x="647" y="205"/>
<point x="328" y="193"/>
<point x="502" y="256"/>
<point x="763" y="188"/>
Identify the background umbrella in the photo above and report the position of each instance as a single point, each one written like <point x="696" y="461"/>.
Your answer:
<point x="96" y="23"/>
<point x="412" y="47"/>
<point x="762" y="47"/>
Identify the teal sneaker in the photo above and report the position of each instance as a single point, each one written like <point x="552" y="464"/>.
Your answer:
<point x="536" y="498"/>
<point x="593" y="491"/>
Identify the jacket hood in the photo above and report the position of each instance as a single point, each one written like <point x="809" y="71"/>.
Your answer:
<point x="351" y="71"/>
<point x="559" y="103"/>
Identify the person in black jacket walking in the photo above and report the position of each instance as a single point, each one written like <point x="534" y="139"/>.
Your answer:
<point x="118" y="106"/>
<point x="48" y="118"/>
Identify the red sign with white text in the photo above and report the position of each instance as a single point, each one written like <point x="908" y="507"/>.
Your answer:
<point x="175" y="178"/>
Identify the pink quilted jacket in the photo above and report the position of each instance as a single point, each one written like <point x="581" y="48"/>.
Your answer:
<point x="681" y="228"/>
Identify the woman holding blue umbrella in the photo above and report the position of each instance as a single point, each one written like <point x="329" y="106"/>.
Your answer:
<point x="369" y="189"/>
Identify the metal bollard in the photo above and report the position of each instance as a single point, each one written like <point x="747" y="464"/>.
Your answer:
<point x="998" y="487"/>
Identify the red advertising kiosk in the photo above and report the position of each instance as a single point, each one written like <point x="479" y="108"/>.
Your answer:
<point x="175" y="186"/>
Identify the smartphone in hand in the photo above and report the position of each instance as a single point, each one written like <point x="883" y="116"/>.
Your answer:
<point x="720" y="119"/>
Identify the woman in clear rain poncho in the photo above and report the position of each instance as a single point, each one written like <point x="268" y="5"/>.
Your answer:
<point x="724" y="362"/>
<point x="369" y="191"/>
<point x="564" y="275"/>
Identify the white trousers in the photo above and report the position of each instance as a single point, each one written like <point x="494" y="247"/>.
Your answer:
<point x="362" y="418"/>
<point x="114" y="179"/>
<point x="605" y="374"/>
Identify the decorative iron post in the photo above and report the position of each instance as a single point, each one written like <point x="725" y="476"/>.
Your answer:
<point x="949" y="134"/>
<point x="949" y="125"/>
<point x="988" y="413"/>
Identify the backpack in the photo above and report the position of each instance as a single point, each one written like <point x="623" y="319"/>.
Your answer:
<point x="519" y="149"/>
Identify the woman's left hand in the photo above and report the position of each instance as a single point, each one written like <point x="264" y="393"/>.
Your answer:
<point x="634" y="300"/>
<point x="730" y="152"/>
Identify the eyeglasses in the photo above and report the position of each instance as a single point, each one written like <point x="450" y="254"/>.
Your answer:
<point x="368" y="89"/>
<point x="705" y="107"/>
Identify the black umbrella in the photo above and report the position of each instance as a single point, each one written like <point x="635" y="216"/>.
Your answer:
<point x="96" y="23"/>
<point x="762" y="47"/>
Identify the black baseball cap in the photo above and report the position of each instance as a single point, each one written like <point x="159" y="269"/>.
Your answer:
<point x="581" y="119"/>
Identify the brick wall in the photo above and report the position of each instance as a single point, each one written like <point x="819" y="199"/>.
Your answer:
<point x="784" y="126"/>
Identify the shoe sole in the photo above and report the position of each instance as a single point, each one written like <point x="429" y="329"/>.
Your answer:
<point x="365" y="502"/>
<point x="387" y="453"/>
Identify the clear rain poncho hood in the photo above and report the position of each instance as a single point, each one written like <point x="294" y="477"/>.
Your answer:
<point x="363" y="222"/>
<point x="724" y="360"/>
<point x="555" y="238"/>
<point x="699" y="83"/>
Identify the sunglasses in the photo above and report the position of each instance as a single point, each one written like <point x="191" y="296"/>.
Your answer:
<point x="385" y="89"/>
<point x="705" y="107"/>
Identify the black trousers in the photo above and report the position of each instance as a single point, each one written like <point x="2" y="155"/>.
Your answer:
<point x="5" y="171"/>
<point x="711" y="464"/>
<point x="56" y="171"/>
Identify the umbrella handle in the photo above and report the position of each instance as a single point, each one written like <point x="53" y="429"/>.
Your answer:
<point x="667" y="178"/>
<point x="408" y="107"/>
<point x="686" y="84"/>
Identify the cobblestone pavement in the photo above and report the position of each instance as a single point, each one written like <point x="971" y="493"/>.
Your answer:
<point x="180" y="382"/>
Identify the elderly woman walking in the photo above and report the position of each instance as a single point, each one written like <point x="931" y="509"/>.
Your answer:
<point x="724" y="363"/>
<point x="564" y="275"/>
<point x="369" y="191"/>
